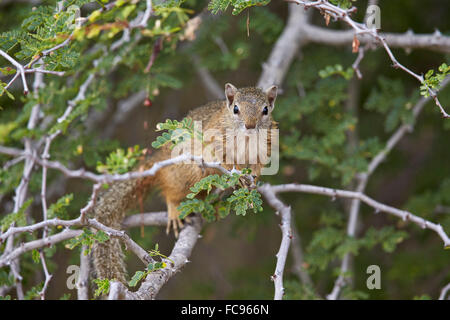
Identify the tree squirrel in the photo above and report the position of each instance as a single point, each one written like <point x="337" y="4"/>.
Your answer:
<point x="244" y="110"/>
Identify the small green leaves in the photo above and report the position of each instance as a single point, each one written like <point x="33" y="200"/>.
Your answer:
<point x="238" y="5"/>
<point x="18" y="217"/>
<point x="102" y="287"/>
<point x="59" y="208"/>
<point x="34" y="292"/>
<point x="6" y="279"/>
<point x="156" y="253"/>
<point x="87" y="238"/>
<point x="344" y="4"/>
<point x="243" y="199"/>
<point x="177" y="132"/>
<point x="330" y="242"/>
<point x="120" y="162"/>
<point x="152" y="267"/>
<point x="432" y="81"/>
<point x="337" y="69"/>
<point x="239" y="201"/>
<point x="389" y="98"/>
<point x="3" y="90"/>
<point x="35" y="255"/>
<point x="138" y="276"/>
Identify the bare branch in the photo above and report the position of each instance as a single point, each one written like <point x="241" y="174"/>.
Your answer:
<point x="282" y="54"/>
<point x="402" y="214"/>
<point x="48" y="276"/>
<point x="6" y="258"/>
<point x="285" y="225"/>
<point x="108" y="178"/>
<point x="407" y="40"/>
<point x="146" y="219"/>
<point x="180" y="256"/>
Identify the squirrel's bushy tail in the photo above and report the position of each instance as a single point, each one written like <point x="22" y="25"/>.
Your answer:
<point x="110" y="210"/>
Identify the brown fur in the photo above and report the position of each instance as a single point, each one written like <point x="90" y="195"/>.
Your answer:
<point x="175" y="181"/>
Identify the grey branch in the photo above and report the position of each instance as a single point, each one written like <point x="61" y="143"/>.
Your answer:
<point x="380" y="207"/>
<point x="180" y="256"/>
<point x="270" y="195"/>
<point x="407" y="40"/>
<point x="282" y="54"/>
<point x="83" y="278"/>
<point x="20" y="70"/>
<point x="146" y="219"/>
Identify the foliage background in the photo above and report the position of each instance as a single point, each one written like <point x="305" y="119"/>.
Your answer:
<point x="236" y="256"/>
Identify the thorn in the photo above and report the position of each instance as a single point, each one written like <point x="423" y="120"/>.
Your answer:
<point x="437" y="33"/>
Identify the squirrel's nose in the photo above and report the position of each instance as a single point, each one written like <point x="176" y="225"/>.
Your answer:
<point x="250" y="126"/>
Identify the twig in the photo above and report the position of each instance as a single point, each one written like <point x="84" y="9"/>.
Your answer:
<point x="146" y="16"/>
<point x="20" y="70"/>
<point x="48" y="276"/>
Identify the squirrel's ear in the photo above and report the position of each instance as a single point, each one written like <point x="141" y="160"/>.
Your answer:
<point x="230" y="92"/>
<point x="271" y="93"/>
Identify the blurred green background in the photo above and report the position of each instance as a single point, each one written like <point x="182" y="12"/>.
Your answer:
<point x="235" y="257"/>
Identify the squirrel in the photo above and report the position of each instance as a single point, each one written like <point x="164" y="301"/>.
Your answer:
<point x="244" y="110"/>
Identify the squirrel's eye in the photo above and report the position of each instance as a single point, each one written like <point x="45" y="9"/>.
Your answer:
<point x="265" y="111"/>
<point x="236" y="109"/>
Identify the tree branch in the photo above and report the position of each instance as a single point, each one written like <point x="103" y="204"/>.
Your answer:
<point x="285" y="225"/>
<point x="155" y="280"/>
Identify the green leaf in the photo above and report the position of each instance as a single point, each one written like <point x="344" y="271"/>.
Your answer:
<point x="36" y="256"/>
<point x="18" y="217"/>
<point x="138" y="276"/>
<point x="103" y="286"/>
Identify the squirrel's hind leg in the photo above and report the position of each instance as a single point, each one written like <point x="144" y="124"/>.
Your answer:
<point x="173" y="217"/>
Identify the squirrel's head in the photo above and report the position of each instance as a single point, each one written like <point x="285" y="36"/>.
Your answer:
<point x="251" y="107"/>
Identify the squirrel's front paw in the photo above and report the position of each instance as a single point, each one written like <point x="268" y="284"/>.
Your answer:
<point x="247" y="182"/>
